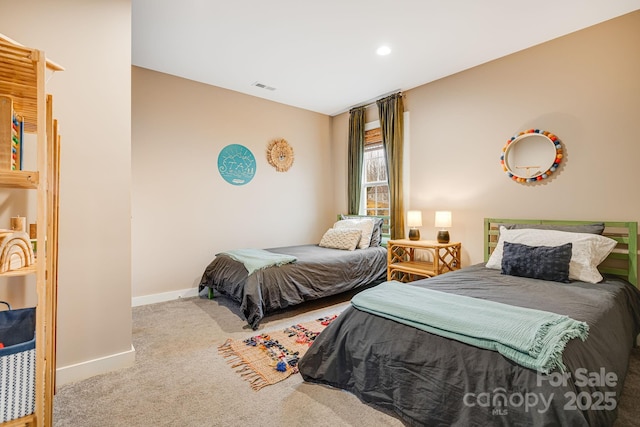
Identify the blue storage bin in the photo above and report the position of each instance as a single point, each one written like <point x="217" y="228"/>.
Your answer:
<point x="17" y="363"/>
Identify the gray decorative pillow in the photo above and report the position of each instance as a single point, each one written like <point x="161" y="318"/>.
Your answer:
<point x="595" y="228"/>
<point x="376" y="235"/>
<point x="537" y="262"/>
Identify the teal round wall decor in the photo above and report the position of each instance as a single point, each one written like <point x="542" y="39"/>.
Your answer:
<point x="236" y="164"/>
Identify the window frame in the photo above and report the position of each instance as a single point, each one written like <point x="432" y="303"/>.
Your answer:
<point x="377" y="142"/>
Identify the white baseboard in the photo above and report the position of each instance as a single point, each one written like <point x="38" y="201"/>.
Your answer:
<point x="164" y="296"/>
<point x="90" y="368"/>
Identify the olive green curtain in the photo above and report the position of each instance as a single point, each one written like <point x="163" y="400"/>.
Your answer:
<point x="356" y="155"/>
<point x="390" y="110"/>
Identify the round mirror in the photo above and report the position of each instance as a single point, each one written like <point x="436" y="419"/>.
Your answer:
<point x="531" y="156"/>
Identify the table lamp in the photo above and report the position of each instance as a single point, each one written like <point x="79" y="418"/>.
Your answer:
<point x="443" y="220"/>
<point x="414" y="220"/>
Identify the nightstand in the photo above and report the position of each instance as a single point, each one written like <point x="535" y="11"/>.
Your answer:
<point x="403" y="266"/>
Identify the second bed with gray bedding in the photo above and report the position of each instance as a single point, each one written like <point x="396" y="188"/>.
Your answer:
<point x="318" y="272"/>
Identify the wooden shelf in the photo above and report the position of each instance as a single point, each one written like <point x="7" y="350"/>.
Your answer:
<point x="22" y="77"/>
<point x="25" y="271"/>
<point x="27" y="421"/>
<point x="28" y="180"/>
<point x="420" y="268"/>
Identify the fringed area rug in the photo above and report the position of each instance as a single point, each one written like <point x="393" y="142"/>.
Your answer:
<point x="271" y="357"/>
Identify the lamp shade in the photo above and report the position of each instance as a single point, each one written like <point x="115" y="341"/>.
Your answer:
<point x="443" y="219"/>
<point x="414" y="218"/>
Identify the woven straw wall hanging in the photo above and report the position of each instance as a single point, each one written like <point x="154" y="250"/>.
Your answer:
<point x="280" y="155"/>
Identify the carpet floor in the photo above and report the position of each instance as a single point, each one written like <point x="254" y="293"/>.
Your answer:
<point x="180" y="379"/>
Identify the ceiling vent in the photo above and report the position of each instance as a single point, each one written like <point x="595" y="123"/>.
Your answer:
<point x="263" y="86"/>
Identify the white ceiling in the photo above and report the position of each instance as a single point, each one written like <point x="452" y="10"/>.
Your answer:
<point x="320" y="55"/>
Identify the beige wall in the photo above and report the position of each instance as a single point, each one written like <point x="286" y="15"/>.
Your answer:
<point x="584" y="87"/>
<point x="92" y="99"/>
<point x="183" y="210"/>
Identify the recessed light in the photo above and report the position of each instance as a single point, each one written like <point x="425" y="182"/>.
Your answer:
<point x="383" y="50"/>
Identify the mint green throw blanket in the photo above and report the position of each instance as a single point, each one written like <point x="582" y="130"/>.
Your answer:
<point x="256" y="259"/>
<point x="532" y="338"/>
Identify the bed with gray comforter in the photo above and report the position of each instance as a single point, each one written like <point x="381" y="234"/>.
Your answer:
<point x="428" y="380"/>
<point x="317" y="272"/>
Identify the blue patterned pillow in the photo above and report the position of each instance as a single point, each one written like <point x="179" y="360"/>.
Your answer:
<point x="537" y="262"/>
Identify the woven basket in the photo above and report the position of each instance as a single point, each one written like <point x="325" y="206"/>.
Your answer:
<point x="17" y="363"/>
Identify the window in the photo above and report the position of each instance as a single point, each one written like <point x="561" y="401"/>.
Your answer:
<point x="375" y="187"/>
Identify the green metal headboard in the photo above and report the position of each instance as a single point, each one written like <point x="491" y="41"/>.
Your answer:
<point x="622" y="262"/>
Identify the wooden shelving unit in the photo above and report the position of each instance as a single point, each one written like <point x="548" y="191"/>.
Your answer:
<point x="22" y="78"/>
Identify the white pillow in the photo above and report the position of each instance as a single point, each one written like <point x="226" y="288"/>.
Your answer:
<point x="341" y="238"/>
<point x="587" y="252"/>
<point x="363" y="224"/>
